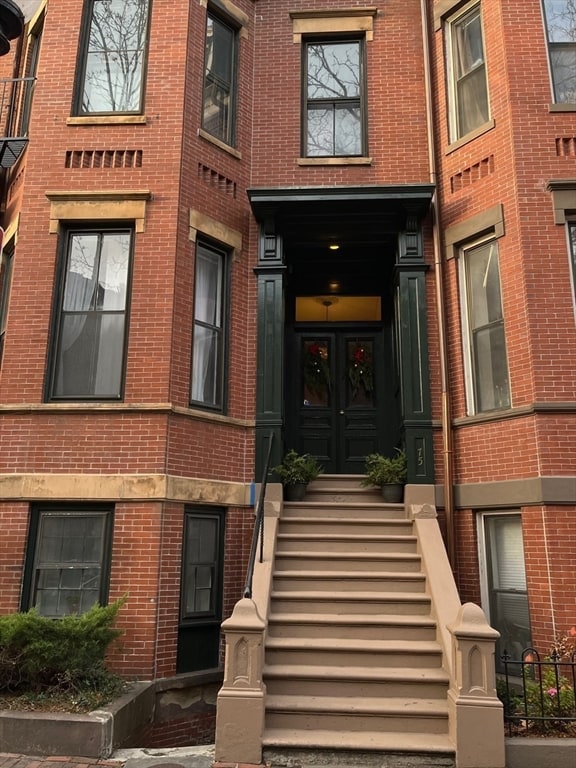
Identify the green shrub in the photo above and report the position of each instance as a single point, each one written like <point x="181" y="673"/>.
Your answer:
<point x="37" y="653"/>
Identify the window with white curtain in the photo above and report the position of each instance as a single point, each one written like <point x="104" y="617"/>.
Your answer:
<point x="467" y="77"/>
<point x="208" y="343"/>
<point x="483" y="331"/>
<point x="89" y="343"/>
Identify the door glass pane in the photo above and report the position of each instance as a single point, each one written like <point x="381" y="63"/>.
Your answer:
<point x="508" y="595"/>
<point x="360" y="372"/>
<point x="316" y="372"/>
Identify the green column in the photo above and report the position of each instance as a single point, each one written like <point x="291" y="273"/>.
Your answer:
<point x="413" y="345"/>
<point x="270" y="350"/>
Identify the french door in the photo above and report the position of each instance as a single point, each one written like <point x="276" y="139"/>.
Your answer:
<point x="338" y="396"/>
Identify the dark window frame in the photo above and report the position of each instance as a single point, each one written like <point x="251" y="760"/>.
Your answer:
<point x="82" y="65"/>
<point x="218" y="515"/>
<point x="220" y="402"/>
<point x="361" y="100"/>
<point x="558" y="48"/>
<point x="572" y="247"/>
<point x="228" y="136"/>
<point x="69" y="510"/>
<point x="6" y="269"/>
<point x="58" y="311"/>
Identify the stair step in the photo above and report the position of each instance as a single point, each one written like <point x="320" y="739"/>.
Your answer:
<point x="353" y="653"/>
<point x="345" y="581"/>
<point x="357" y="713"/>
<point x="334" y="542"/>
<point x="346" y="526"/>
<point x="350" y="561"/>
<point x="343" y="509"/>
<point x="349" y="603"/>
<point x="307" y="680"/>
<point x="370" y="749"/>
<point x="358" y="626"/>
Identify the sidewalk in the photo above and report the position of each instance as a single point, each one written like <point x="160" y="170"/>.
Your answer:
<point x="183" y="757"/>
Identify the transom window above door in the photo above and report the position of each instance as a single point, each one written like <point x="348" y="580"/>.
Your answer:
<point x="335" y="309"/>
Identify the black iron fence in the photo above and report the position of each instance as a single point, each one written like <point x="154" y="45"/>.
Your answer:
<point x="539" y="694"/>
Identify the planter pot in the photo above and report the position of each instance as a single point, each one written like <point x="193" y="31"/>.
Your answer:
<point x="393" y="493"/>
<point x="295" y="492"/>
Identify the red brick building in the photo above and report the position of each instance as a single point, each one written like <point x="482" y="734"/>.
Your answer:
<point x="202" y="198"/>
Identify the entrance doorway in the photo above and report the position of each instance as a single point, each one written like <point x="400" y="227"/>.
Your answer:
<point x="341" y="401"/>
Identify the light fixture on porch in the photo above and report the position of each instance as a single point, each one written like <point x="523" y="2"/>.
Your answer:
<point x="334" y="286"/>
<point x="327" y="302"/>
<point x="334" y="247"/>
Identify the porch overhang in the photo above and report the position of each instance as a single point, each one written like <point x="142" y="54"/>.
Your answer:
<point x="376" y="200"/>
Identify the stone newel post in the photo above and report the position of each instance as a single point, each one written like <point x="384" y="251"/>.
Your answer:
<point x="476" y="718"/>
<point x="240" y="712"/>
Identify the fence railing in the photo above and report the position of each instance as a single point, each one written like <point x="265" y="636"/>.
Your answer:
<point x="539" y="694"/>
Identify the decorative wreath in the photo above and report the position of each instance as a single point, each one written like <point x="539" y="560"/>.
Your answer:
<point x="316" y="369"/>
<point x="360" y="370"/>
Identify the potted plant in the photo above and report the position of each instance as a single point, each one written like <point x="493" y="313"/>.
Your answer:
<point x="295" y="472"/>
<point x="388" y="473"/>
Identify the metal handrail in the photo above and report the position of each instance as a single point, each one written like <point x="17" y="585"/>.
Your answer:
<point x="258" y="532"/>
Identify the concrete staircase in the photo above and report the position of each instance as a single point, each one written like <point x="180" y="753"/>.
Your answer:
<point x="352" y="663"/>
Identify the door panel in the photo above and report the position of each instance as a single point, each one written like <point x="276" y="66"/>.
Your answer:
<point x="339" y="396"/>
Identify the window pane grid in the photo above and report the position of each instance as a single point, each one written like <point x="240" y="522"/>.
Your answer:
<point x="469" y="89"/>
<point x="333" y="99"/>
<point x="201" y="563"/>
<point x="560" y="18"/>
<point x="219" y="80"/>
<point x="90" y="344"/>
<point x="68" y="563"/>
<point x="114" y="57"/>
<point x="488" y="357"/>
<point x="208" y="331"/>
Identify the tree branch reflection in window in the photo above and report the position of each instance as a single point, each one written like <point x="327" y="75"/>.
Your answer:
<point x="113" y="73"/>
<point x="333" y="99"/>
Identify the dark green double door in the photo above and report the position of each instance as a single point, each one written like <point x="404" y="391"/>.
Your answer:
<point x="338" y="396"/>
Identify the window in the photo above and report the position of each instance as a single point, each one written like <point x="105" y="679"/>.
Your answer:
<point x="209" y="326"/>
<point x="467" y="74"/>
<point x="219" y="80"/>
<point x="68" y="559"/>
<point x="483" y="333"/>
<point x="503" y="581"/>
<point x="201" y="566"/>
<point x="6" y="262"/>
<point x="560" y="18"/>
<point x="334" y="98"/>
<point x="111" y="67"/>
<point x="88" y="354"/>
<point x="201" y="590"/>
<point x="572" y="238"/>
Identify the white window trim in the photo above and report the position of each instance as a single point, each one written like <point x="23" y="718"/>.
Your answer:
<point x="454" y="137"/>
<point x="483" y="574"/>
<point x="471" y="408"/>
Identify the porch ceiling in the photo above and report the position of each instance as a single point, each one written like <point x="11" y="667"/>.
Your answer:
<point x="363" y="221"/>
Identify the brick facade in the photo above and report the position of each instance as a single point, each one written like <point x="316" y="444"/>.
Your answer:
<point x="150" y="453"/>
